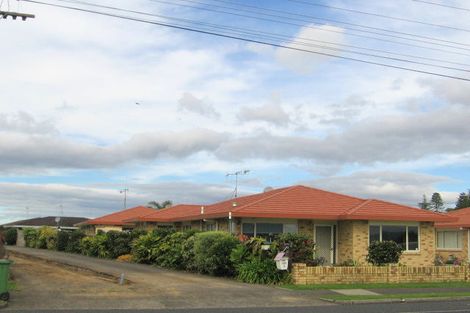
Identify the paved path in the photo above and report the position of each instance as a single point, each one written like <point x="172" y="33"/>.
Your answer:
<point x="173" y="289"/>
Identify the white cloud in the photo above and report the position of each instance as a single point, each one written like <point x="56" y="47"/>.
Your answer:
<point x="188" y="102"/>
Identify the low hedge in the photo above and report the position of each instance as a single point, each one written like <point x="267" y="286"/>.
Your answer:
<point x="11" y="236"/>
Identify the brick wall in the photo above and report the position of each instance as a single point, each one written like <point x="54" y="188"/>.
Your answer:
<point x="345" y="244"/>
<point x="308" y="275"/>
<point x="462" y="254"/>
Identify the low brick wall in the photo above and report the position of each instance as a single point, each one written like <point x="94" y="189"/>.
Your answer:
<point x="310" y="275"/>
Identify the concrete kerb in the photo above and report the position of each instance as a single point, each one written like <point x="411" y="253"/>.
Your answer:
<point x="410" y="300"/>
<point x="73" y="267"/>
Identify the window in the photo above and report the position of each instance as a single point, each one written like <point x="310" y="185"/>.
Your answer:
<point x="449" y="240"/>
<point x="208" y="226"/>
<point x="267" y="231"/>
<point x="405" y="236"/>
<point x="186" y="227"/>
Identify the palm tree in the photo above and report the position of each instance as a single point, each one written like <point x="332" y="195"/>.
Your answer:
<point x="159" y="206"/>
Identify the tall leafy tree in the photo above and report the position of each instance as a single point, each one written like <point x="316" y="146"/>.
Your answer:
<point x="436" y="202"/>
<point x="158" y="205"/>
<point x="463" y="201"/>
<point x="425" y="205"/>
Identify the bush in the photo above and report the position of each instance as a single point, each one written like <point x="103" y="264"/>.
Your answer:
<point x="30" y="237"/>
<point x="260" y="271"/>
<point x="118" y="243"/>
<point x="300" y="248"/>
<point x="385" y="252"/>
<point x="212" y="253"/>
<point x="94" y="246"/>
<point x="63" y="238"/>
<point x="146" y="249"/>
<point x="126" y="258"/>
<point x="187" y="255"/>
<point x="47" y="238"/>
<point x="73" y="245"/>
<point x="11" y="235"/>
<point x="171" y="250"/>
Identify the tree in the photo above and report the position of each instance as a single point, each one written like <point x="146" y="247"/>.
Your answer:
<point x="159" y="206"/>
<point x="463" y="201"/>
<point x="436" y="202"/>
<point x="425" y="205"/>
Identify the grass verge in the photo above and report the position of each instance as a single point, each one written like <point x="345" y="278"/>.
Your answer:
<point x="377" y="286"/>
<point x="398" y="296"/>
<point x="12" y="285"/>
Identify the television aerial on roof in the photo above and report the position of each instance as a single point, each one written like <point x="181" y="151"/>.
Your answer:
<point x="236" y="174"/>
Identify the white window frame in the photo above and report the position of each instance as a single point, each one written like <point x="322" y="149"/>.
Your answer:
<point x="450" y="230"/>
<point x="284" y="222"/>
<point x="404" y="224"/>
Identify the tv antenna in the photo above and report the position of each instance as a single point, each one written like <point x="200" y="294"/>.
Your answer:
<point x="236" y="174"/>
<point x="12" y="14"/>
<point x="124" y="191"/>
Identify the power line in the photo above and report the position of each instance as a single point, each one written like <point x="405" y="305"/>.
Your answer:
<point x="270" y="35"/>
<point x="318" y="28"/>
<point x="443" y="5"/>
<point x="249" y="40"/>
<point x="342" y="22"/>
<point x="379" y="15"/>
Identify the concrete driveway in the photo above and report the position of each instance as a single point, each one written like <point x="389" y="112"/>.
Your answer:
<point x="94" y="281"/>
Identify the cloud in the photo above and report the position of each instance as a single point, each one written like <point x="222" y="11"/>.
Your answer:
<point x="271" y="113"/>
<point x="305" y="63"/>
<point x="99" y="199"/>
<point x="190" y="103"/>
<point x="24" y="122"/>
<point x="402" y="187"/>
<point x="453" y="91"/>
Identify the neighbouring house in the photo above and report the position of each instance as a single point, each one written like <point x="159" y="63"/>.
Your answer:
<point x="62" y="222"/>
<point x="341" y="226"/>
<point x="453" y="238"/>
<point x="115" y="221"/>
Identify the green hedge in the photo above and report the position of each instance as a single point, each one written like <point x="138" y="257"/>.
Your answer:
<point x="30" y="237"/>
<point x="11" y="236"/>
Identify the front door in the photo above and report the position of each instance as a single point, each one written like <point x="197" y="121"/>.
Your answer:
<point x="324" y="243"/>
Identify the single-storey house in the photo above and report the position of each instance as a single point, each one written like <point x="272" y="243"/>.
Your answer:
<point x="115" y="221"/>
<point x="453" y="238"/>
<point x="341" y="226"/>
<point x="62" y="222"/>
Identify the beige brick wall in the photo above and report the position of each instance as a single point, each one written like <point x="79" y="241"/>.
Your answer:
<point x="462" y="254"/>
<point x="427" y="253"/>
<point x="345" y="244"/>
<point x="306" y="227"/>
<point x="360" y="241"/>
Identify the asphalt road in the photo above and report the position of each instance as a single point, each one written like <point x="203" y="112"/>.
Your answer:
<point x="423" y="307"/>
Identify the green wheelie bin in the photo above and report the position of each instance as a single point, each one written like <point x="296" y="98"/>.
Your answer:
<point x="4" y="274"/>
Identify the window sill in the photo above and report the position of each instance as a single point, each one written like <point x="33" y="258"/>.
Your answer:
<point x="412" y="252"/>
<point x="449" y="249"/>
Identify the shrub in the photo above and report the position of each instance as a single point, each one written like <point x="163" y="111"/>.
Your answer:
<point x="30" y="237"/>
<point x="63" y="238"/>
<point x="94" y="246"/>
<point x="73" y="245"/>
<point x="47" y="238"/>
<point x="11" y="236"/>
<point x="118" y="243"/>
<point x="300" y="248"/>
<point x="260" y="271"/>
<point x="187" y="255"/>
<point x="126" y="258"/>
<point x="385" y="252"/>
<point x="145" y="249"/>
<point x="212" y="253"/>
<point x="171" y="250"/>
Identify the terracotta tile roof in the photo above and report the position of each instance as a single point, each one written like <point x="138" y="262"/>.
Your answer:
<point x="298" y="202"/>
<point x="65" y="221"/>
<point x="120" y="218"/>
<point x="462" y="216"/>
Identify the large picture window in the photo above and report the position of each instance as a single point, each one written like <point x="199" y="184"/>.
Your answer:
<point x="268" y="231"/>
<point x="405" y="236"/>
<point x="449" y="239"/>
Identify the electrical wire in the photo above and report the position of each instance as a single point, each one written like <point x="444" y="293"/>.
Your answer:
<point x="257" y="34"/>
<point x="250" y="40"/>
<point x="443" y="5"/>
<point x="316" y="28"/>
<point x="379" y="15"/>
<point x="343" y="22"/>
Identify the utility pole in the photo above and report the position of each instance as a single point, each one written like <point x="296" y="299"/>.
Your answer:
<point x="124" y="191"/>
<point x="236" y="174"/>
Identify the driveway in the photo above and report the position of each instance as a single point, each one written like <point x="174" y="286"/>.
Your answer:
<point x="49" y="279"/>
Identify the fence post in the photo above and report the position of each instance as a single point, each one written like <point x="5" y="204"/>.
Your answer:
<point x="299" y="273"/>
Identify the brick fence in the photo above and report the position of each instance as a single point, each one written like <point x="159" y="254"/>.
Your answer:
<point x="310" y="275"/>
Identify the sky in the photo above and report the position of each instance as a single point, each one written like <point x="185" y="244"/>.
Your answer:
<point x="91" y="104"/>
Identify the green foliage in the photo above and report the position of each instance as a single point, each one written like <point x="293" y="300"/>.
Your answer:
<point x="436" y="202"/>
<point x="300" y="248"/>
<point x="385" y="252"/>
<point x="30" y="237"/>
<point x="146" y="248"/>
<point x="73" y="244"/>
<point x="94" y="246"/>
<point x="212" y="253"/>
<point x="47" y="238"/>
<point x="171" y="250"/>
<point x="63" y="238"/>
<point x="118" y="243"/>
<point x="11" y="235"/>
<point x="425" y="205"/>
<point x="188" y="257"/>
<point x="260" y="271"/>
<point x="159" y="206"/>
<point x="463" y="201"/>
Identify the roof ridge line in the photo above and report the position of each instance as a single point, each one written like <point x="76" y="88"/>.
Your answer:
<point x="166" y="209"/>
<point x="269" y="197"/>
<point x="357" y="207"/>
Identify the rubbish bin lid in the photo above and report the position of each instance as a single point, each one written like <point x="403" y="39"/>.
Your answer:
<point x="5" y="261"/>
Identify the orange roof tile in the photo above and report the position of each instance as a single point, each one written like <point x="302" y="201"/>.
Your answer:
<point x="298" y="202"/>
<point x="120" y="218"/>
<point x="462" y="216"/>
